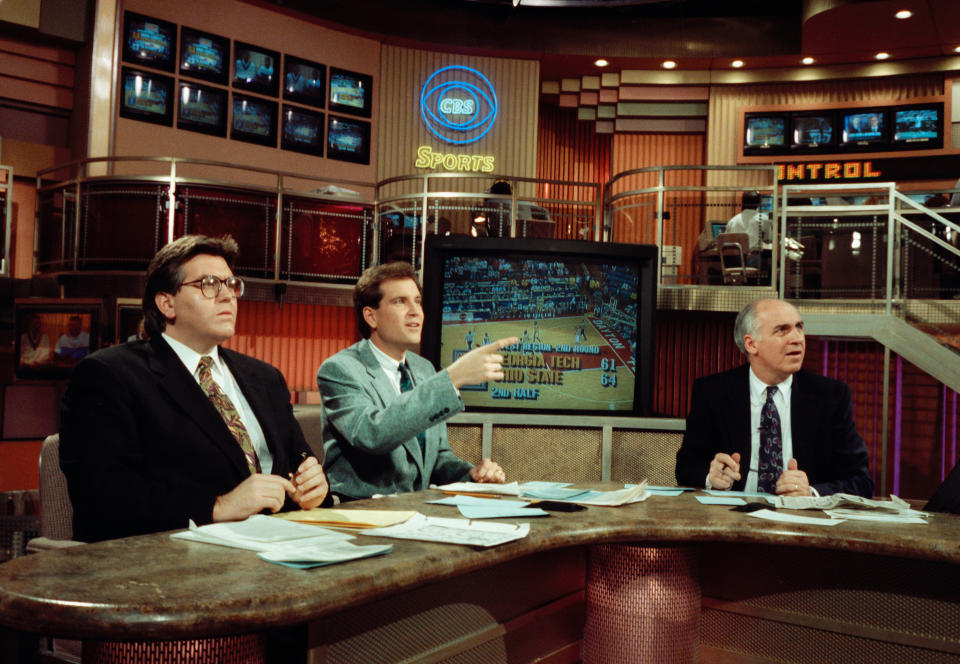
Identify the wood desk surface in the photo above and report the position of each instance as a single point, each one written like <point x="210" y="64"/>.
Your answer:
<point x="153" y="587"/>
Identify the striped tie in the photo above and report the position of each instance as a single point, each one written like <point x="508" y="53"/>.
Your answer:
<point x="228" y="412"/>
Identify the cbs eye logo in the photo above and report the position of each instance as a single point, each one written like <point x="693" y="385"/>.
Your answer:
<point x="458" y="104"/>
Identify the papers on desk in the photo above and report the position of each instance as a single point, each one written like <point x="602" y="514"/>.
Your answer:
<point x="782" y="517"/>
<point x="350" y="519"/>
<point x="483" y="508"/>
<point x="482" y="488"/>
<point x="283" y="542"/>
<point x="454" y="531"/>
<point x="894" y="505"/>
<point x="721" y="500"/>
<point x="614" y="498"/>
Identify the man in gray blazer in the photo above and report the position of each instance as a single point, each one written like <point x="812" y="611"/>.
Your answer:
<point x="384" y="406"/>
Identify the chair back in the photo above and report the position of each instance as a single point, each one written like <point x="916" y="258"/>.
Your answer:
<point x="56" y="510"/>
<point x="733" y="249"/>
<point x="310" y="418"/>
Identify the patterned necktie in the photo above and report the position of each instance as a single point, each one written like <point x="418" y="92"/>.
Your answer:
<point x="228" y="412"/>
<point x="406" y="384"/>
<point x="771" y="445"/>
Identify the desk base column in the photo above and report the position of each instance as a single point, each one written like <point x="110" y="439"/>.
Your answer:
<point x="643" y="605"/>
<point x="245" y="649"/>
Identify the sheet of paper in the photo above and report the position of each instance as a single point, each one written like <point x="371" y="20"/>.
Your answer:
<point x="543" y="485"/>
<point x="783" y="517"/>
<point x="615" y="498"/>
<point x="511" y="489"/>
<point x="304" y="556"/>
<point x="739" y="494"/>
<point x="651" y="488"/>
<point x="338" y="518"/>
<point x="721" y="500"/>
<point x="474" y="500"/>
<point x="883" y="517"/>
<point x="258" y="533"/>
<point x="557" y="493"/>
<point x="836" y="500"/>
<point x="664" y="491"/>
<point x="497" y="510"/>
<point x="454" y="531"/>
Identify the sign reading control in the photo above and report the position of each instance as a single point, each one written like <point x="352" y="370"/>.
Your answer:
<point x="458" y="104"/>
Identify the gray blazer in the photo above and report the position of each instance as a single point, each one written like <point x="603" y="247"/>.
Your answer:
<point x="370" y="432"/>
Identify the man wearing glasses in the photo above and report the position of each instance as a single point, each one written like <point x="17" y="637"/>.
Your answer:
<point x="172" y="428"/>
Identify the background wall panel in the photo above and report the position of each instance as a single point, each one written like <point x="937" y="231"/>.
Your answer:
<point x="512" y="140"/>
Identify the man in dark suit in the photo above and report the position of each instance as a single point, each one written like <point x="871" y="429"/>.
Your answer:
<point x="383" y="432"/>
<point x="173" y="428"/>
<point x="818" y="450"/>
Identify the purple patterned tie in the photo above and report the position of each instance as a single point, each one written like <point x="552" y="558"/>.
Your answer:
<point x="228" y="412"/>
<point x="771" y="446"/>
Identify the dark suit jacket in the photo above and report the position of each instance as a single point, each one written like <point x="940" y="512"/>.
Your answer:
<point x="370" y="432"/>
<point x="143" y="448"/>
<point x="826" y="444"/>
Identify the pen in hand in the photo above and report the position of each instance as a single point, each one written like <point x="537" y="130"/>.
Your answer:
<point x="303" y="457"/>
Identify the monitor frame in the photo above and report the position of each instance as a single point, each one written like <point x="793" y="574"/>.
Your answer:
<point x="270" y="88"/>
<point x="240" y="134"/>
<point x="770" y="149"/>
<point x="296" y="146"/>
<point x="132" y="112"/>
<point x="220" y="128"/>
<point x="866" y="145"/>
<point x="130" y="56"/>
<point x="55" y="311"/>
<point x="317" y="101"/>
<point x="221" y="43"/>
<point x="644" y="257"/>
<point x="343" y="155"/>
<point x="917" y="144"/>
<point x="807" y="148"/>
<point x="363" y="111"/>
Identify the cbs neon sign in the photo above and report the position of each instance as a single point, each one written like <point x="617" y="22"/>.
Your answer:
<point x="458" y="104"/>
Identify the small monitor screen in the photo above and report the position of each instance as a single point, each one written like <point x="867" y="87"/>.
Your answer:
<point x="813" y="131"/>
<point x="149" y="41"/>
<point x="255" y="69"/>
<point x="348" y="140"/>
<point x="304" y="81"/>
<point x="205" y="56"/>
<point x="350" y="92"/>
<point x="717" y="227"/>
<point x="764" y="133"/>
<point x="146" y="96"/>
<point x="864" y="128"/>
<point x="254" y="120"/>
<point x="918" y="126"/>
<point x="302" y="131"/>
<point x="202" y="109"/>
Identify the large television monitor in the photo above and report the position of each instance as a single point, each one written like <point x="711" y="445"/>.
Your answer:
<point x="203" y="109"/>
<point x="146" y="96"/>
<point x="863" y="129"/>
<point x="254" y="120"/>
<point x="813" y="131"/>
<point x="583" y="311"/>
<point x="917" y="126"/>
<point x="350" y="92"/>
<point x="348" y="140"/>
<point x="149" y="41"/>
<point x="764" y="133"/>
<point x="53" y="335"/>
<point x="205" y="56"/>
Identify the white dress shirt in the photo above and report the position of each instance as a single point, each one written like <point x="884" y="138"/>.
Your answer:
<point x="389" y="365"/>
<point x="225" y="380"/>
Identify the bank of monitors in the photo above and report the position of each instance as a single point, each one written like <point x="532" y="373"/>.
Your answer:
<point x="583" y="313"/>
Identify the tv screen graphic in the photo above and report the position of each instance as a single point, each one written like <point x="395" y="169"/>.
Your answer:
<point x="202" y="109"/>
<point x="254" y="120"/>
<point x="302" y="131"/>
<point x="52" y="336"/>
<point x="919" y="126"/>
<point x="348" y="140"/>
<point x="204" y="56"/>
<point x="864" y="129"/>
<point x="583" y="314"/>
<point x="256" y="69"/>
<point x="764" y="134"/>
<point x="146" y="96"/>
<point x="811" y="132"/>
<point x="149" y="41"/>
<point x="304" y="82"/>
<point x="350" y="92"/>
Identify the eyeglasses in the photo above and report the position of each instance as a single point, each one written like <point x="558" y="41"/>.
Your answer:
<point x="209" y="285"/>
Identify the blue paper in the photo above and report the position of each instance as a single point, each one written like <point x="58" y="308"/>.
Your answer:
<point x="499" y="511"/>
<point x="721" y="500"/>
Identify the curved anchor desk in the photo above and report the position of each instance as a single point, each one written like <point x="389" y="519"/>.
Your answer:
<point x="859" y="591"/>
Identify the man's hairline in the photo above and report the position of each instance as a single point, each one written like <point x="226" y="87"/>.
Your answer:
<point x="382" y="294"/>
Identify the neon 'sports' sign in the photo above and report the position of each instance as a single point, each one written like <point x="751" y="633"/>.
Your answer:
<point x="458" y="104"/>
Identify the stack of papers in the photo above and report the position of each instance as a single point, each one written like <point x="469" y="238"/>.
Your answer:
<point x="454" y="531"/>
<point x="482" y="488"/>
<point x="589" y="497"/>
<point x="283" y="542"/>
